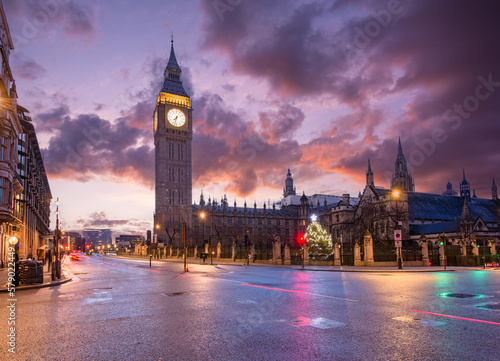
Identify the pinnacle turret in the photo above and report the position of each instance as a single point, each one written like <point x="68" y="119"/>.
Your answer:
<point x="369" y="175"/>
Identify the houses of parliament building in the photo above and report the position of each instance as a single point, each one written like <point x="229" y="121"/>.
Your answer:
<point x="460" y="218"/>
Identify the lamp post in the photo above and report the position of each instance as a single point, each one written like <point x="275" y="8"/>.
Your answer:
<point x="56" y="243"/>
<point x="202" y="215"/>
<point x="398" y="242"/>
<point x="484" y="253"/>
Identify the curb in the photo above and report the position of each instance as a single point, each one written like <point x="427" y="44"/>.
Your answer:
<point x="361" y="270"/>
<point x="30" y="287"/>
<point x="382" y="270"/>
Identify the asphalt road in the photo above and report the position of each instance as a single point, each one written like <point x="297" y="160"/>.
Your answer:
<point x="120" y="309"/>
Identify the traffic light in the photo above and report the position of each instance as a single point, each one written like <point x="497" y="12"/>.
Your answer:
<point x="441" y="240"/>
<point x="477" y="245"/>
<point x="301" y="239"/>
<point x="247" y="240"/>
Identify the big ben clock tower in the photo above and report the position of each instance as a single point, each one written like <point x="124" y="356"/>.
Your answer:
<point x="173" y="129"/>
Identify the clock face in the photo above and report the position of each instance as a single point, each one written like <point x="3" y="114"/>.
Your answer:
<point x="176" y="117"/>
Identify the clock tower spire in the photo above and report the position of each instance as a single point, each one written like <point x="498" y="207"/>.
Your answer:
<point x="173" y="130"/>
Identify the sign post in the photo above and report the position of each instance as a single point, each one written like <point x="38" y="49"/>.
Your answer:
<point x="398" y="242"/>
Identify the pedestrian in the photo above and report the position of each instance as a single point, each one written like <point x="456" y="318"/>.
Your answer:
<point x="48" y="256"/>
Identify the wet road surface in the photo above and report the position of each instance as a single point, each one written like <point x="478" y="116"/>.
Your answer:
<point x="116" y="309"/>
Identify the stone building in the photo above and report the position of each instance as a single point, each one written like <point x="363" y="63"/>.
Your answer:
<point x="362" y="228"/>
<point x="34" y="202"/>
<point x="24" y="189"/>
<point x="471" y="224"/>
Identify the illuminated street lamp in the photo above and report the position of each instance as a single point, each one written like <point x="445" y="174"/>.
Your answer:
<point x="203" y="215"/>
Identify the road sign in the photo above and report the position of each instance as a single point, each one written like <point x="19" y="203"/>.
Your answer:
<point x="398" y="240"/>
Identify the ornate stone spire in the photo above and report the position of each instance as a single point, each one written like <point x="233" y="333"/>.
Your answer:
<point x="369" y="175"/>
<point x="402" y="179"/>
<point x="172" y="82"/>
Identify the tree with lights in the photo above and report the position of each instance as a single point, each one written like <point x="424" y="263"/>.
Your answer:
<point x="318" y="239"/>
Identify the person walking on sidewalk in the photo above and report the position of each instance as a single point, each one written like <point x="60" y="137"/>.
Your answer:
<point x="48" y="257"/>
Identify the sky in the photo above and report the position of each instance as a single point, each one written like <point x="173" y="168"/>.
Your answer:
<point x="316" y="86"/>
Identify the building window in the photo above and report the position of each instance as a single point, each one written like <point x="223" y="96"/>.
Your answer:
<point x="2" y="190"/>
<point x="2" y="149"/>
<point x="170" y="150"/>
<point x="180" y="152"/>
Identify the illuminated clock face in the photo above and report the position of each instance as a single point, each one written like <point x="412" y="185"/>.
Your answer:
<point x="176" y="117"/>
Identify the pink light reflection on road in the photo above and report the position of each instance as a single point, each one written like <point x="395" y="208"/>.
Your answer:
<point x="456" y="317"/>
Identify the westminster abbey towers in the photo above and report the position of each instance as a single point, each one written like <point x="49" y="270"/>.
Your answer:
<point x="173" y="129"/>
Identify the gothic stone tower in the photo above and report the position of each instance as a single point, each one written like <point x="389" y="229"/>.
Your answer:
<point x="289" y="189"/>
<point x="173" y="130"/>
<point x="402" y="179"/>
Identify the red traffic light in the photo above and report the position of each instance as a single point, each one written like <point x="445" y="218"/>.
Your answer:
<point x="301" y="239"/>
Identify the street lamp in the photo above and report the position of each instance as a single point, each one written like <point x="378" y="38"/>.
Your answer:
<point x="398" y="239"/>
<point x="56" y="243"/>
<point x="203" y="215"/>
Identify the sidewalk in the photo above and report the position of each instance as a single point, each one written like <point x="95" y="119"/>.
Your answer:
<point x="226" y="262"/>
<point x="4" y="272"/>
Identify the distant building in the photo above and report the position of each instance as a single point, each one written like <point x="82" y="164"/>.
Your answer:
<point x="97" y="237"/>
<point x="449" y="190"/>
<point x="128" y="240"/>
<point x="74" y="239"/>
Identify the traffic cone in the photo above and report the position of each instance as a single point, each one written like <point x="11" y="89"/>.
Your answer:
<point x="186" y="269"/>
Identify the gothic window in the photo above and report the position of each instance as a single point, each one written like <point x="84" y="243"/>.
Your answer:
<point x="250" y="222"/>
<point x="181" y="177"/>
<point x="2" y="190"/>
<point x="229" y="220"/>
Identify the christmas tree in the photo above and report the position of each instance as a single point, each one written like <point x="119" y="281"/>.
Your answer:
<point x="318" y="239"/>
